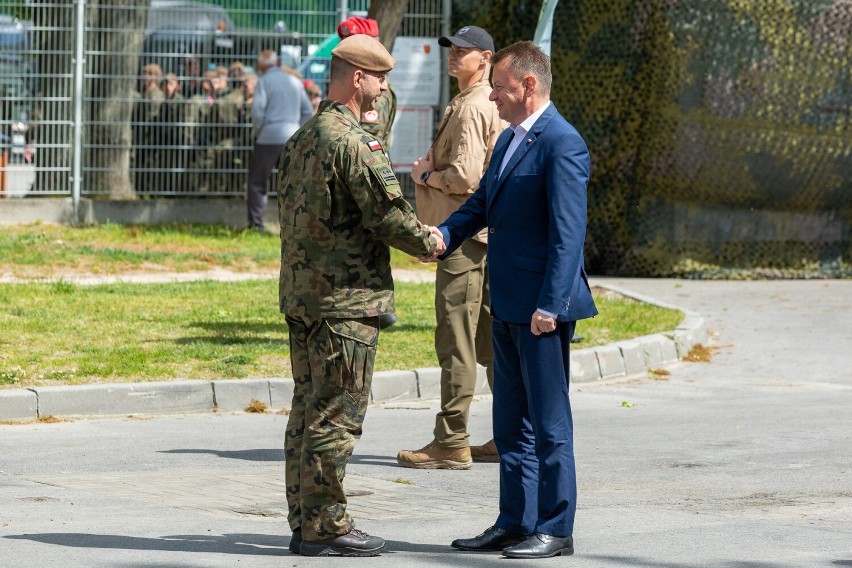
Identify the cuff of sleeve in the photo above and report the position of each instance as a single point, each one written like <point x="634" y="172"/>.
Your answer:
<point x="548" y="314"/>
<point x="436" y="181"/>
<point x="446" y="234"/>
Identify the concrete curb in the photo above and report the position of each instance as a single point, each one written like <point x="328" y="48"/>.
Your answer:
<point x="623" y="358"/>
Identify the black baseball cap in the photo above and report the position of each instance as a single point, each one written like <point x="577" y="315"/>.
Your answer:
<point x="469" y="36"/>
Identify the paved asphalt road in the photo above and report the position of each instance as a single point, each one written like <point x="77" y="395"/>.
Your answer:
<point x="742" y="462"/>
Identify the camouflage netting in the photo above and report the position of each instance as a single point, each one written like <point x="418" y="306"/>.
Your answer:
<point x="719" y="130"/>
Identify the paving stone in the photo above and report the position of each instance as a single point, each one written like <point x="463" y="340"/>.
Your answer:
<point x="126" y="398"/>
<point x="584" y="366"/>
<point x="634" y="357"/>
<point x="691" y="331"/>
<point x="281" y="393"/>
<point x="237" y="395"/>
<point x="428" y="382"/>
<point x="394" y="385"/>
<point x="610" y="361"/>
<point x="668" y="349"/>
<point x="652" y="350"/>
<point x="18" y="404"/>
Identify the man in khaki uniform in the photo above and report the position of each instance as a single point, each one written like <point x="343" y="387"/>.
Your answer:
<point x="444" y="180"/>
<point x="340" y="209"/>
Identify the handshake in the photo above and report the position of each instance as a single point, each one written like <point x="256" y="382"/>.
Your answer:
<point x="441" y="247"/>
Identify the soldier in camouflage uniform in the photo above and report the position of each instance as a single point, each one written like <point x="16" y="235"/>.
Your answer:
<point x="340" y="208"/>
<point x="225" y="124"/>
<point x="379" y="119"/>
<point x="146" y="118"/>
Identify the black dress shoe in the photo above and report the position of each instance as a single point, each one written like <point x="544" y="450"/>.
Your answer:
<point x="295" y="541"/>
<point x="492" y="539"/>
<point x="540" y="545"/>
<point x="353" y="543"/>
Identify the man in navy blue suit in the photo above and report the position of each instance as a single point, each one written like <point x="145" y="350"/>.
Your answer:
<point x="533" y="201"/>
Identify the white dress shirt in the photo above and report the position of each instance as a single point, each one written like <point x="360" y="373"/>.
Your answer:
<point x="521" y="131"/>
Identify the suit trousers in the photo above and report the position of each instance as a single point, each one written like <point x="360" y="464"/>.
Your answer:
<point x="462" y="337"/>
<point x="533" y="429"/>
<point x="263" y="160"/>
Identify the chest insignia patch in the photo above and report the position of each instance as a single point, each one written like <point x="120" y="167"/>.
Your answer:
<point x="371" y="116"/>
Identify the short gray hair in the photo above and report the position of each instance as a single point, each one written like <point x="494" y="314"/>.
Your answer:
<point x="525" y="58"/>
<point x="267" y="58"/>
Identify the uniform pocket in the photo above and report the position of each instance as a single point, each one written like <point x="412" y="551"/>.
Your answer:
<point x="352" y="353"/>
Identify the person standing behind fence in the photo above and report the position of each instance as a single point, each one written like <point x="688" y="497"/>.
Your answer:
<point x="192" y="77"/>
<point x="145" y="119"/>
<point x="340" y="209"/>
<point x="198" y="131"/>
<point x="244" y="133"/>
<point x="279" y="108"/>
<point x="314" y="93"/>
<point x="443" y="181"/>
<point x="225" y="175"/>
<point x="171" y="154"/>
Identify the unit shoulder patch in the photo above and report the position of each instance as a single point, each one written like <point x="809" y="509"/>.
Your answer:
<point x="386" y="173"/>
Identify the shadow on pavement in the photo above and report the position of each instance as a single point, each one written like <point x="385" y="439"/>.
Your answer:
<point x="260" y="455"/>
<point x="363" y="459"/>
<point x="656" y="563"/>
<point x="250" y="544"/>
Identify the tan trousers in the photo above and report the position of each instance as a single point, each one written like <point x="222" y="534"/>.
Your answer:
<point x="462" y="338"/>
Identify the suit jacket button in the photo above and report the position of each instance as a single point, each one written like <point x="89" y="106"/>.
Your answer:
<point x="491" y="230"/>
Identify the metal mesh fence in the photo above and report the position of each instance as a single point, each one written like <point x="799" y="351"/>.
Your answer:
<point x="719" y="129"/>
<point x="159" y="103"/>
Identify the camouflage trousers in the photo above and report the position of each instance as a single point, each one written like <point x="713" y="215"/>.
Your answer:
<point x="332" y="362"/>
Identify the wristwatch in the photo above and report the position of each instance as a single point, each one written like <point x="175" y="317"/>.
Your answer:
<point x="424" y="176"/>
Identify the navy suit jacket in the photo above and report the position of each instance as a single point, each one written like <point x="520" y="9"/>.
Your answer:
<point x="536" y="218"/>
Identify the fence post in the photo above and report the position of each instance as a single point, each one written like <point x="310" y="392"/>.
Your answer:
<point x="77" y="144"/>
<point x="446" y="30"/>
<point x="344" y="10"/>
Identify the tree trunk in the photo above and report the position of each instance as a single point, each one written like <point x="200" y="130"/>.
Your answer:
<point x="388" y="13"/>
<point x="112" y="92"/>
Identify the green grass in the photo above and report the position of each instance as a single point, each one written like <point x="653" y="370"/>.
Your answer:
<point x="621" y="319"/>
<point x="40" y="251"/>
<point x="30" y="251"/>
<point x="62" y="333"/>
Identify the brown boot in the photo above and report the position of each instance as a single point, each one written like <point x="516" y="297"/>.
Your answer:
<point x="487" y="452"/>
<point x="433" y="456"/>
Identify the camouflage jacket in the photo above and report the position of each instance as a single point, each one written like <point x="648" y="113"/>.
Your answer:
<point x="379" y="121"/>
<point x="340" y="207"/>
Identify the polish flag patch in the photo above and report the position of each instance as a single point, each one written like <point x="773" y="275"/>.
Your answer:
<point x="375" y="145"/>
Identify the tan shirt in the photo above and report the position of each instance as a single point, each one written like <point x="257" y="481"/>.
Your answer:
<point x="461" y="152"/>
